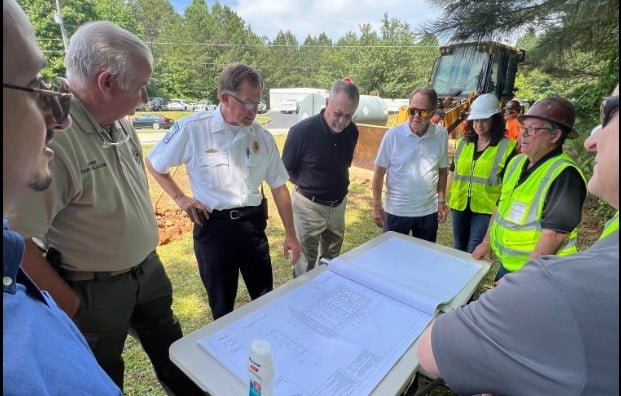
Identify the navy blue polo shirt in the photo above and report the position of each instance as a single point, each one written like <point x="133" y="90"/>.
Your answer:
<point x="317" y="159"/>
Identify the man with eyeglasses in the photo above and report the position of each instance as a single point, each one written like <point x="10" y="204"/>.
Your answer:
<point x="228" y="156"/>
<point x="43" y="352"/>
<point x="317" y="154"/>
<point x="540" y="204"/>
<point x="96" y="222"/>
<point x="414" y="158"/>
<point x="551" y="328"/>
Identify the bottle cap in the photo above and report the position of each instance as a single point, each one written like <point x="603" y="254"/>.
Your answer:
<point x="261" y="349"/>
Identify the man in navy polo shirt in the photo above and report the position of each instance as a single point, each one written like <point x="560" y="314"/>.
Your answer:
<point x="317" y="154"/>
<point x="43" y="352"/>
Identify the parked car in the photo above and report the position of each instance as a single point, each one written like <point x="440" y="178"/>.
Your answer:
<point x="289" y="106"/>
<point x="149" y="120"/>
<point x="204" y="106"/>
<point x="262" y="108"/>
<point x="178" y="105"/>
<point x="157" y="104"/>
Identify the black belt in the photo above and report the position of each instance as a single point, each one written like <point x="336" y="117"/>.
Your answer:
<point x="235" y="213"/>
<point x="313" y="198"/>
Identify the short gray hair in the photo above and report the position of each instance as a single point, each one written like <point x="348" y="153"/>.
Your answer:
<point x="102" y="45"/>
<point x="429" y="93"/>
<point x="350" y="89"/>
<point x="235" y="74"/>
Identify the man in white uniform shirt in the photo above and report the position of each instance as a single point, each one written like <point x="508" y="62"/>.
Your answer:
<point x="228" y="155"/>
<point x="415" y="157"/>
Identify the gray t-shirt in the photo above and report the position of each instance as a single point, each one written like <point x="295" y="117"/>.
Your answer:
<point x="550" y="329"/>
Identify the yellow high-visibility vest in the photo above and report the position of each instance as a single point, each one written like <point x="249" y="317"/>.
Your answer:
<point x="611" y="226"/>
<point x="516" y="228"/>
<point x="478" y="180"/>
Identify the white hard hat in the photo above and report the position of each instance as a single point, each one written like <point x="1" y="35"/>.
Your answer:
<point x="484" y="107"/>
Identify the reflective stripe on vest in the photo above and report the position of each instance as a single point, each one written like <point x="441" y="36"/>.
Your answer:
<point x="611" y="226"/>
<point x="480" y="180"/>
<point x="516" y="228"/>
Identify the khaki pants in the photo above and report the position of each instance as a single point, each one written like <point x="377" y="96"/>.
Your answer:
<point x="320" y="230"/>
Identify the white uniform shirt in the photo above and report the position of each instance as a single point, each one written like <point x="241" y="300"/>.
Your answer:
<point x="412" y="167"/>
<point x="226" y="164"/>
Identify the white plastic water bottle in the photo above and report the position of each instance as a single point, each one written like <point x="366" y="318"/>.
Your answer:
<point x="261" y="369"/>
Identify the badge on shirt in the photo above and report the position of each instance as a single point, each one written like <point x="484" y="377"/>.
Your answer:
<point x="255" y="147"/>
<point x="209" y="151"/>
<point x="171" y="132"/>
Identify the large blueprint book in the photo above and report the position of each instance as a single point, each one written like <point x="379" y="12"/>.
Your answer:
<point x="342" y="331"/>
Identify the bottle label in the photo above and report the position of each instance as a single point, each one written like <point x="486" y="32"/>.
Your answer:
<point x="255" y="387"/>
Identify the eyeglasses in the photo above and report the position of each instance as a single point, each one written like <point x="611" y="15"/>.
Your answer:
<point x="348" y="117"/>
<point x="114" y="127"/>
<point x="510" y="112"/>
<point x="421" y="112"/>
<point x="531" y="131"/>
<point x="57" y="99"/>
<point x="247" y="105"/>
<point x="607" y="109"/>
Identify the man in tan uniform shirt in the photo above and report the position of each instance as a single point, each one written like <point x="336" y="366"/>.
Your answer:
<point x="96" y="222"/>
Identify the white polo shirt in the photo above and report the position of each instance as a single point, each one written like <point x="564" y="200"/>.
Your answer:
<point x="412" y="167"/>
<point x="226" y="164"/>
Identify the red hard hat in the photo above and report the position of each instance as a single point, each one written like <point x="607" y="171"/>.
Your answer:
<point x="513" y="105"/>
<point x="554" y="109"/>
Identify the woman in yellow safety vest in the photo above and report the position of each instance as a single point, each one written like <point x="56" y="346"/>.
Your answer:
<point x="478" y="166"/>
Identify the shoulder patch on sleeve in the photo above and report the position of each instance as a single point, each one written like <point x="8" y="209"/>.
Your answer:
<point x="171" y="133"/>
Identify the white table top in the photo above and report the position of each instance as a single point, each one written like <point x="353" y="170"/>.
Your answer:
<point x="215" y="379"/>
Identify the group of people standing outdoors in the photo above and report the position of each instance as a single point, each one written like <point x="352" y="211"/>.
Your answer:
<point x="84" y="273"/>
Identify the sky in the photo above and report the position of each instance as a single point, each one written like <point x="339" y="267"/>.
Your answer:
<point x="312" y="17"/>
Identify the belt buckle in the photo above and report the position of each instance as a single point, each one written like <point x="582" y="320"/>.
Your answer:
<point x="234" y="214"/>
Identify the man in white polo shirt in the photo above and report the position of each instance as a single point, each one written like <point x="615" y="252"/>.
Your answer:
<point x="414" y="156"/>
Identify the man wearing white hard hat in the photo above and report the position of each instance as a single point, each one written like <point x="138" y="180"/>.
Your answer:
<point x="542" y="194"/>
<point x="479" y="163"/>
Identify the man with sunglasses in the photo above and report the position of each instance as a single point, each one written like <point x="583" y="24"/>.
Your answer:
<point x="43" y="351"/>
<point x="96" y="222"/>
<point x="512" y="125"/>
<point x="228" y="156"/>
<point x="414" y="156"/>
<point x="540" y="204"/>
<point x="317" y="154"/>
<point x="551" y="328"/>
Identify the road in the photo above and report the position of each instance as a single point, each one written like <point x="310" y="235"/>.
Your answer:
<point x="279" y="124"/>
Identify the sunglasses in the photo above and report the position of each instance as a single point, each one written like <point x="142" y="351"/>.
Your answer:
<point x="247" y="105"/>
<point x="421" y="112"/>
<point x="57" y="99"/>
<point x="607" y="109"/>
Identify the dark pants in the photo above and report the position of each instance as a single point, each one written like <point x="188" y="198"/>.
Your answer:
<point x="223" y="249"/>
<point x="469" y="229"/>
<point x="502" y="271"/>
<point x="423" y="227"/>
<point x="140" y="301"/>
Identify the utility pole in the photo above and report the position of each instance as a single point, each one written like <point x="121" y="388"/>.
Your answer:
<point x="58" y="18"/>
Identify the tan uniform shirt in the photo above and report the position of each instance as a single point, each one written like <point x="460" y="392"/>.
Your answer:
<point x="97" y="212"/>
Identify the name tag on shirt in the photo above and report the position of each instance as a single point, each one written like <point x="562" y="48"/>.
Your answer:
<point x="214" y="159"/>
<point x="517" y="212"/>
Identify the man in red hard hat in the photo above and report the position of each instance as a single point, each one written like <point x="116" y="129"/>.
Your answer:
<point x="512" y="110"/>
<point x="543" y="190"/>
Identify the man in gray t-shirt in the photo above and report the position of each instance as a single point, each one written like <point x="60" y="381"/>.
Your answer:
<point x="551" y="328"/>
